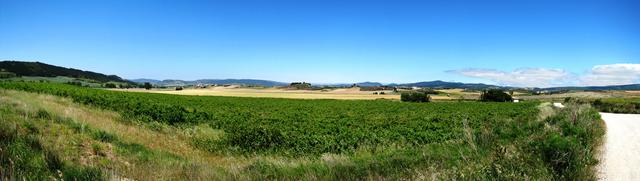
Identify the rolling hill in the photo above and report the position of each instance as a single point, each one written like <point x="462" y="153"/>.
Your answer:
<point x="38" y="69"/>
<point x="34" y="70"/>
<point x="438" y="84"/>
<point x="170" y="82"/>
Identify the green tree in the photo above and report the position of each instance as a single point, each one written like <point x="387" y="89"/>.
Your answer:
<point x="415" y="97"/>
<point x="495" y="95"/>
<point x="110" y="85"/>
<point x="147" y="85"/>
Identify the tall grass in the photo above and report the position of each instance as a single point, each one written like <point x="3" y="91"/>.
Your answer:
<point x="618" y="105"/>
<point x="548" y="144"/>
<point x="23" y="156"/>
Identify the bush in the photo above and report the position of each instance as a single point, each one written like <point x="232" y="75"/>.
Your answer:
<point x="429" y="91"/>
<point x="75" y="83"/>
<point x="110" y="85"/>
<point x="415" y="97"/>
<point x="147" y="85"/>
<point x="568" y="149"/>
<point x="495" y="95"/>
<point x="617" y="105"/>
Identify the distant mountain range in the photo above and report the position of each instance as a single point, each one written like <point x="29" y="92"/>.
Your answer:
<point x="45" y="70"/>
<point x="170" y="82"/>
<point x="438" y="84"/>
<point x="20" y="68"/>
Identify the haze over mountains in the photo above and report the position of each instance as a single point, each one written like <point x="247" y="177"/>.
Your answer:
<point x="45" y="70"/>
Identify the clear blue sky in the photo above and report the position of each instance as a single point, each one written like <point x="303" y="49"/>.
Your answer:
<point x="327" y="41"/>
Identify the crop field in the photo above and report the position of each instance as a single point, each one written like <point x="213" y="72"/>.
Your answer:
<point x="339" y="94"/>
<point x="211" y="137"/>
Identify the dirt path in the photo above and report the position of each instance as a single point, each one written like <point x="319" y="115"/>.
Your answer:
<point x="621" y="153"/>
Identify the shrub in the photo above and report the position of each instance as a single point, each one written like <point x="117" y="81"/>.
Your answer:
<point x="495" y="95"/>
<point x="617" y="105"/>
<point x="75" y="83"/>
<point x="110" y="85"/>
<point x="415" y="97"/>
<point x="147" y="85"/>
<point x="429" y="91"/>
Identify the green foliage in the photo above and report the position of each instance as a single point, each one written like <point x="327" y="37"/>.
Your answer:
<point x="384" y="139"/>
<point x="300" y="85"/>
<point x="415" y="97"/>
<point x="618" y="105"/>
<point x="495" y="95"/>
<point x="46" y="70"/>
<point x="4" y="74"/>
<point x="569" y="147"/>
<point x="110" y="85"/>
<point x="43" y="114"/>
<point x="23" y="157"/>
<point x="79" y="84"/>
<point x="103" y="136"/>
<point x="147" y="85"/>
<point x="429" y="91"/>
<point x="295" y="127"/>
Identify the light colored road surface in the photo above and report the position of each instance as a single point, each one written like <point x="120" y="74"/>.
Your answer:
<point x="621" y="152"/>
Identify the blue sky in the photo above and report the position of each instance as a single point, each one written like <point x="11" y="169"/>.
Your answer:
<point x="523" y="43"/>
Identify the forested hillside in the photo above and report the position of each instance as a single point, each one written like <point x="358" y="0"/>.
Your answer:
<point x="45" y="70"/>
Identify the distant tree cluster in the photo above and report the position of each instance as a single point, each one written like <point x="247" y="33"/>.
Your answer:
<point x="76" y="83"/>
<point x="110" y="85"/>
<point x="495" y="95"/>
<point x="376" y="88"/>
<point x="415" y="97"/>
<point x="300" y="85"/>
<point x="147" y="86"/>
<point x="429" y="91"/>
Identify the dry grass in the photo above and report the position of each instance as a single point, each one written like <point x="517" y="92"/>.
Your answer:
<point x="343" y="94"/>
<point x="340" y="94"/>
<point x="198" y="164"/>
<point x="633" y="93"/>
<point x="193" y="164"/>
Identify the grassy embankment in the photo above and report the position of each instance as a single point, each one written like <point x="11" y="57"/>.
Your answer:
<point x="618" y="105"/>
<point x="491" y="141"/>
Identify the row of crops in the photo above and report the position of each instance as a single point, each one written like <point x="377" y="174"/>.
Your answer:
<point x="298" y="127"/>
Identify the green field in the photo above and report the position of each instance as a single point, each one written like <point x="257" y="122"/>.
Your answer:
<point x="618" y="105"/>
<point x="268" y="138"/>
<point x="57" y="79"/>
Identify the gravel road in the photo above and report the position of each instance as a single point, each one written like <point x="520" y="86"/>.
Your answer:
<point x="620" y="159"/>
